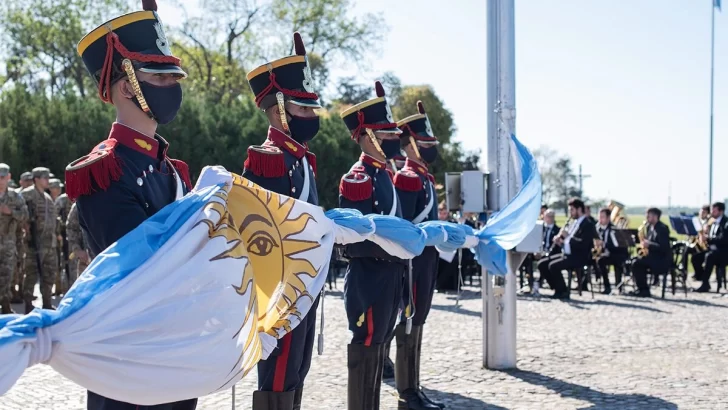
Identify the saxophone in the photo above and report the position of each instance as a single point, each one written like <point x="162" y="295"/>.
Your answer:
<point x="701" y="243"/>
<point x="642" y="234"/>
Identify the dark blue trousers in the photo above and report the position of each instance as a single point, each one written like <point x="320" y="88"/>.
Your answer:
<point x="286" y="368"/>
<point x="424" y="275"/>
<point x="372" y="297"/>
<point x="98" y="402"/>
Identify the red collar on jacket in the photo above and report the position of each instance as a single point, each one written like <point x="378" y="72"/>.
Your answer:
<point x="371" y="161"/>
<point x="416" y="166"/>
<point x="283" y="141"/>
<point x="139" y="142"/>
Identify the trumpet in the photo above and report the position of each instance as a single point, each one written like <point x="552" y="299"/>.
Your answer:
<point x="641" y="235"/>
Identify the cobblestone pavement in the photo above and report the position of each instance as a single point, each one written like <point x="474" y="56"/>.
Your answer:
<point x="613" y="352"/>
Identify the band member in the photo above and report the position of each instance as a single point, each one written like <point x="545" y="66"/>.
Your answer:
<point x="543" y="210"/>
<point x="128" y="177"/>
<point x="576" y="242"/>
<point x="283" y="89"/>
<point x="373" y="287"/>
<point x="717" y="253"/>
<point x="612" y="254"/>
<point x="704" y="222"/>
<point x="416" y="189"/>
<point x="587" y="212"/>
<point x="658" y="257"/>
<point x="550" y="249"/>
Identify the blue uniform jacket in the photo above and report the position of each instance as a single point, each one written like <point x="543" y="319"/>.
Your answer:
<point x="282" y="165"/>
<point x="369" y="188"/>
<point x="125" y="179"/>
<point x="416" y="189"/>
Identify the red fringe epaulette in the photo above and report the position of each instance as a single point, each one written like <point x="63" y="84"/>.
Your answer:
<point x="183" y="170"/>
<point x="356" y="186"/>
<point x="266" y="161"/>
<point x="431" y="178"/>
<point x="311" y="158"/>
<point x="407" y="180"/>
<point x="93" y="171"/>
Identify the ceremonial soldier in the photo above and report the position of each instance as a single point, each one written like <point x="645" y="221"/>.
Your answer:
<point x="283" y="89"/>
<point x="13" y="213"/>
<point x="41" y="261"/>
<point x="416" y="189"/>
<point x="79" y="256"/>
<point x="128" y="177"/>
<point x="373" y="288"/>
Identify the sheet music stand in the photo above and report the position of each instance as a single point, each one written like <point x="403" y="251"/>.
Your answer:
<point x="624" y="238"/>
<point x="683" y="225"/>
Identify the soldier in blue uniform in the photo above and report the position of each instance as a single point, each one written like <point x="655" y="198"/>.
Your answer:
<point x="128" y="177"/>
<point x="283" y="88"/>
<point x="416" y="189"/>
<point x="374" y="279"/>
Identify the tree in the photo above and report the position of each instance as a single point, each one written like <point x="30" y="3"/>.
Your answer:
<point x="40" y="51"/>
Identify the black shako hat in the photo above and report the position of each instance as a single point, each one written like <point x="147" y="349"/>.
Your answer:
<point x="138" y="37"/>
<point x="417" y="126"/>
<point x="289" y="75"/>
<point x="374" y="114"/>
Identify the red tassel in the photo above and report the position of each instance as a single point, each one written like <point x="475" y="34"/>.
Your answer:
<point x="94" y="171"/>
<point x="408" y="181"/>
<point x="184" y="172"/>
<point x="356" y="186"/>
<point x="311" y="158"/>
<point x="266" y="161"/>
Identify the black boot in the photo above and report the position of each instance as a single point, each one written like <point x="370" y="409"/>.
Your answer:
<point x="419" y="332"/>
<point x="297" y="398"/>
<point x="270" y="400"/>
<point x="29" y="306"/>
<point x="405" y="369"/>
<point x="16" y="296"/>
<point x="47" y="302"/>
<point x="388" y="370"/>
<point x="5" y="308"/>
<point x="365" y="372"/>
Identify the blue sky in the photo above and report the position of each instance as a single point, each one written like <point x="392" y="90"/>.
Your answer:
<point x="620" y="86"/>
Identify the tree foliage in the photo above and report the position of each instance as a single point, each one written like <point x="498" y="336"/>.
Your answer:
<point x="557" y="176"/>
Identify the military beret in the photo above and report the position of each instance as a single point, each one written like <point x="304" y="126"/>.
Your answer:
<point x="55" y="183"/>
<point x="41" y="172"/>
<point x="26" y="176"/>
<point x="417" y="126"/>
<point x="4" y="169"/>
<point x="138" y="37"/>
<point x="374" y="114"/>
<point x="291" y="76"/>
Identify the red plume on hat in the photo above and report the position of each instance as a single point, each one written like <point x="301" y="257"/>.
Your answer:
<point x="298" y="44"/>
<point x="379" y="88"/>
<point x="149" y="5"/>
<point x="420" y="107"/>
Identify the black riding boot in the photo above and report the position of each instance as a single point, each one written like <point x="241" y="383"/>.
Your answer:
<point x="388" y="370"/>
<point x="5" y="308"/>
<point x="365" y="376"/>
<point x="271" y="400"/>
<point x="405" y="369"/>
<point x="297" y="398"/>
<point x="423" y="396"/>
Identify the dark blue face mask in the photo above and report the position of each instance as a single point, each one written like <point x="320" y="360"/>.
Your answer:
<point x="303" y="129"/>
<point x="428" y="154"/>
<point x="391" y="148"/>
<point x="163" y="102"/>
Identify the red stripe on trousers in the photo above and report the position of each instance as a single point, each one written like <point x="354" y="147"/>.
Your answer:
<point x="370" y="327"/>
<point x="279" y="377"/>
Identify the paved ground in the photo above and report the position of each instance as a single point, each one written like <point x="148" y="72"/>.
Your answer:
<point x="613" y="352"/>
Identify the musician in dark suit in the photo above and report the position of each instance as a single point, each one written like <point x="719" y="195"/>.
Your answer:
<point x="612" y="254"/>
<point x="659" y="254"/>
<point x="717" y="253"/>
<point x="576" y="242"/>
<point x="550" y="230"/>
<point x="587" y="212"/>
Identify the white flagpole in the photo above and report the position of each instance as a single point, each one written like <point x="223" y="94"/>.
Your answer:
<point x="712" y="75"/>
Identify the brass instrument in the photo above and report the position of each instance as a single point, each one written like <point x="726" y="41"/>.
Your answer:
<point x="563" y="233"/>
<point x="598" y="249"/>
<point x="641" y="235"/>
<point x="700" y="242"/>
<point x="619" y="220"/>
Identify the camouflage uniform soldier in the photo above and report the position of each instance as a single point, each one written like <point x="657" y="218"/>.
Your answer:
<point x="26" y="180"/>
<point x="79" y="258"/>
<point x="40" y="258"/>
<point x="12" y="213"/>
<point x="63" y="206"/>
